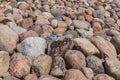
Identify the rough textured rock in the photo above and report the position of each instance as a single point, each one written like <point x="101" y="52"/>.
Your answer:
<point x="47" y="77"/>
<point x="60" y="46"/>
<point x="81" y="24"/>
<point x="32" y="46"/>
<point x="113" y="67"/>
<point x="8" y="39"/>
<point x="88" y="72"/>
<point x="20" y="66"/>
<point x="58" y="67"/>
<point x="103" y="77"/>
<point x="86" y="46"/>
<point x="74" y="74"/>
<point x="106" y="48"/>
<point x="75" y="59"/>
<point x="4" y="62"/>
<point x="95" y="64"/>
<point x="31" y="77"/>
<point x="42" y="65"/>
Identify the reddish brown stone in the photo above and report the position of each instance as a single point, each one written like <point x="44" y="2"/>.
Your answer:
<point x="27" y="22"/>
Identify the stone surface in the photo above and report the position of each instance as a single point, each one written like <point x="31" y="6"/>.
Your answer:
<point x="8" y="39"/>
<point x="95" y="64"/>
<point x="31" y="77"/>
<point x="106" y="48"/>
<point x="4" y="62"/>
<point x="58" y="67"/>
<point x="113" y="67"/>
<point x="87" y="47"/>
<point x="32" y="46"/>
<point x="47" y="77"/>
<point x="42" y="65"/>
<point x="103" y="77"/>
<point x="20" y="66"/>
<point x="81" y="24"/>
<point x="27" y="34"/>
<point x="88" y="72"/>
<point x="74" y="74"/>
<point x="116" y="42"/>
<point x="62" y="24"/>
<point x="97" y="27"/>
<point x="59" y="46"/>
<point x="75" y="59"/>
<point x="27" y="22"/>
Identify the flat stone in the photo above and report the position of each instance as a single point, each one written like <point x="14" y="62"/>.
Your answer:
<point x="47" y="77"/>
<point x="31" y="77"/>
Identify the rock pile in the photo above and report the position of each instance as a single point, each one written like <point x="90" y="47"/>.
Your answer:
<point x="59" y="40"/>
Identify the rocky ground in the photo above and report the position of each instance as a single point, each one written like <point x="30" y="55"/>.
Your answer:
<point x="59" y="40"/>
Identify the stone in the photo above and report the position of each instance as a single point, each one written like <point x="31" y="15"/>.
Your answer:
<point x="31" y="77"/>
<point x="54" y="23"/>
<point x="74" y="74"/>
<point x="8" y="39"/>
<point x="23" y="6"/>
<point x="73" y="33"/>
<point x="20" y="66"/>
<point x="47" y="29"/>
<point x="27" y="34"/>
<point x="85" y="34"/>
<point x="47" y="77"/>
<point x="58" y="67"/>
<point x="32" y="46"/>
<point x="113" y="67"/>
<point x="37" y="29"/>
<point x="59" y="30"/>
<point x="42" y="65"/>
<point x="81" y="24"/>
<point x="106" y="48"/>
<point x="99" y="14"/>
<point x="67" y="20"/>
<point x="7" y="76"/>
<point x="95" y="64"/>
<point x="19" y="30"/>
<point x="62" y="24"/>
<point x="116" y="42"/>
<point x="110" y="21"/>
<point x="41" y="20"/>
<point x="47" y="15"/>
<point x="103" y="77"/>
<point x="88" y="72"/>
<point x="27" y="22"/>
<point x="97" y="27"/>
<point x="118" y="22"/>
<point x="86" y="46"/>
<point x="75" y="59"/>
<point x="4" y="62"/>
<point x="59" y="46"/>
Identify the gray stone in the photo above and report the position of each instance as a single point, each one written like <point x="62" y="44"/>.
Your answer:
<point x="95" y="64"/>
<point x="81" y="24"/>
<point x="32" y="46"/>
<point x="99" y="14"/>
<point x="19" y="30"/>
<point x="85" y="34"/>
